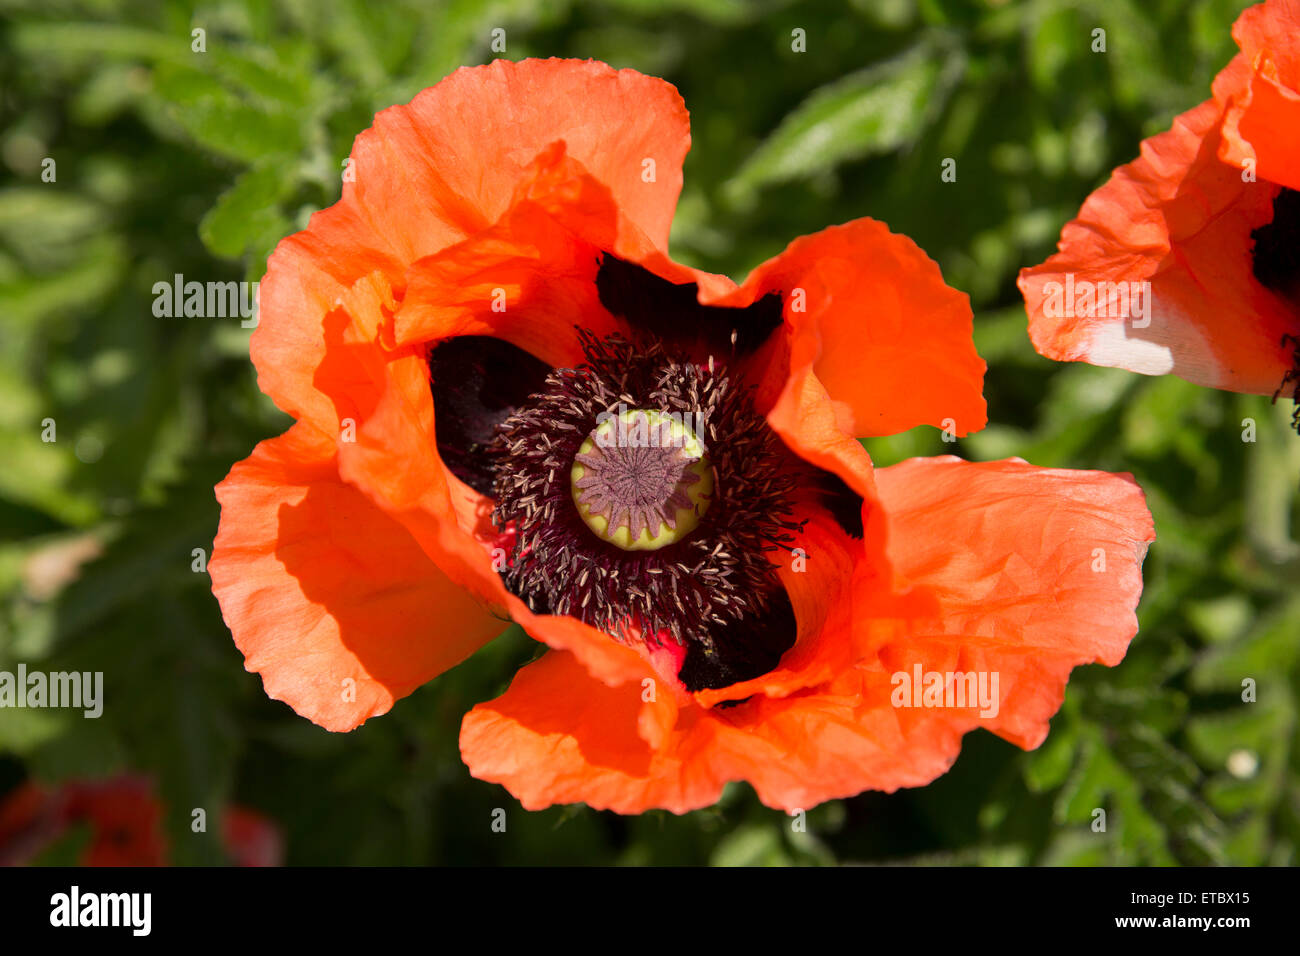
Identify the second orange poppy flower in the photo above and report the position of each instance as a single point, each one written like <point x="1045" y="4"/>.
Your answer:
<point x="1188" y="260"/>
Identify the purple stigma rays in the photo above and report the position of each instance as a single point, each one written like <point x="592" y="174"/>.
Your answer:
<point x="641" y="480"/>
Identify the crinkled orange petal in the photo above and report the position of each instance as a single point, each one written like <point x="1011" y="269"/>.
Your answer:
<point x="1035" y="571"/>
<point x="806" y="420"/>
<point x="873" y="343"/>
<point x="462" y="145"/>
<point x="560" y="736"/>
<point x="826" y="579"/>
<point x="1180" y="219"/>
<point x="328" y="598"/>
<point x="1046" y="577"/>
<point x="869" y="314"/>
<point x="445" y="167"/>
<point x="383" y="417"/>
<point x="1272" y="126"/>
<point x="528" y="279"/>
<point x="1262" y="94"/>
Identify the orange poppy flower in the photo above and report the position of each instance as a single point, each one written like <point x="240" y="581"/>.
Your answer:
<point x="1186" y="261"/>
<point x="125" y="820"/>
<point x="511" y="402"/>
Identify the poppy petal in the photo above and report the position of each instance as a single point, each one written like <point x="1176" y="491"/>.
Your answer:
<point x="869" y="314"/>
<point x="1262" y="94"/>
<point x="824" y="576"/>
<point x="530" y="277"/>
<point x="1049" y="578"/>
<point x="557" y="735"/>
<point x="1179" y="220"/>
<point x="805" y="416"/>
<point x="329" y="598"/>
<point x="445" y="167"/>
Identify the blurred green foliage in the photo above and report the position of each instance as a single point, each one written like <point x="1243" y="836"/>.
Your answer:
<point x="171" y="162"/>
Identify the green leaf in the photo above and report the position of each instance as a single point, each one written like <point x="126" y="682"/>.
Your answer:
<point x="1047" y="767"/>
<point x="752" y="844"/>
<point x="248" y="210"/>
<point x="1267" y="654"/>
<point x="218" y="118"/>
<point x="876" y="110"/>
<point x="712" y="11"/>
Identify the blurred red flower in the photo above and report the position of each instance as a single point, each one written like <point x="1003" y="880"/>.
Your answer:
<point x="125" y="821"/>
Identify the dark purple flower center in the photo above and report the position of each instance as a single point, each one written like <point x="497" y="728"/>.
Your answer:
<point x="700" y="570"/>
<point x="1276" y="254"/>
<point x="1276" y="264"/>
<point x="710" y="516"/>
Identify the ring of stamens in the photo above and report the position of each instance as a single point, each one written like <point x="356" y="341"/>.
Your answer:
<point x="717" y="575"/>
